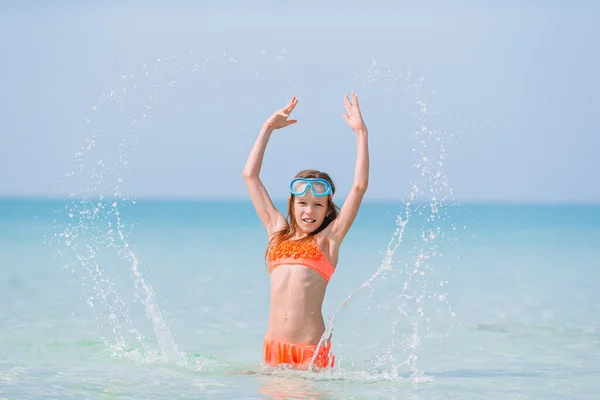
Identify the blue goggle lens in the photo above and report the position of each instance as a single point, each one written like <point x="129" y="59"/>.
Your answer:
<point x="319" y="187"/>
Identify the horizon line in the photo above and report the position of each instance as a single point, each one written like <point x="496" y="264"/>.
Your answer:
<point x="230" y="199"/>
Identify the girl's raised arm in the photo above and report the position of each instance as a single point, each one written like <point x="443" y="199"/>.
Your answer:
<point x="349" y="210"/>
<point x="269" y="215"/>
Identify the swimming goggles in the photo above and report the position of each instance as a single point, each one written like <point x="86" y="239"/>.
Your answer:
<point x="319" y="187"/>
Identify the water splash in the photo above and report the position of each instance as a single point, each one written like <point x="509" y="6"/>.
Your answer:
<point x="92" y="237"/>
<point x="426" y="207"/>
<point x="91" y="232"/>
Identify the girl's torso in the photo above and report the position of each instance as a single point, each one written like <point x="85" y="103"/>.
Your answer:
<point x="300" y="272"/>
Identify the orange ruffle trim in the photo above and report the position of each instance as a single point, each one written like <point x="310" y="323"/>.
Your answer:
<point x="291" y="249"/>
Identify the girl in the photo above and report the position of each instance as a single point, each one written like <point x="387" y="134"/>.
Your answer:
<point x="303" y="248"/>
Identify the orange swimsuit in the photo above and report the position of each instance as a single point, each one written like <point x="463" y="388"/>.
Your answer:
<point x="305" y="253"/>
<point x="276" y="352"/>
<point x="297" y="356"/>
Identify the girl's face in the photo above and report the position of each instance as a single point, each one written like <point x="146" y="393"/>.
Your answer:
<point x="310" y="211"/>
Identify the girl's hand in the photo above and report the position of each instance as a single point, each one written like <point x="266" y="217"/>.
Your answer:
<point x="279" y="119"/>
<point x="353" y="116"/>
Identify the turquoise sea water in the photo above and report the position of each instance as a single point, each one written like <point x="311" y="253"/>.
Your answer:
<point x="169" y="299"/>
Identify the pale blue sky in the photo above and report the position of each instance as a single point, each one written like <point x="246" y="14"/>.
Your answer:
<point x="514" y="86"/>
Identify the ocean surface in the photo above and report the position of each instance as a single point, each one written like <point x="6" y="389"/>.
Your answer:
<point x="120" y="299"/>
